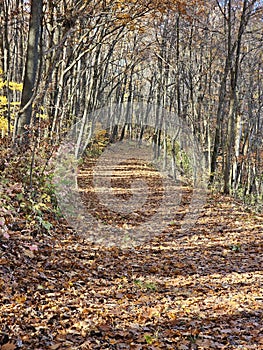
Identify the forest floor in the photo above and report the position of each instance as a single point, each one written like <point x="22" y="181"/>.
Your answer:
<point x="198" y="289"/>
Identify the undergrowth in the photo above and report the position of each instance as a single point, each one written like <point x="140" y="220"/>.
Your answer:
<point x="27" y="203"/>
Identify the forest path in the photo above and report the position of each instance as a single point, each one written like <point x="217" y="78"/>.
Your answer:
<point x="132" y="194"/>
<point x="200" y="289"/>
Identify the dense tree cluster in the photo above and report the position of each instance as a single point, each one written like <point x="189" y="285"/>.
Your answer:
<point x="200" y="60"/>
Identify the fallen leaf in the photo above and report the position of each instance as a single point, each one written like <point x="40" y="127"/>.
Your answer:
<point x="29" y="253"/>
<point x="8" y="346"/>
<point x="55" y="346"/>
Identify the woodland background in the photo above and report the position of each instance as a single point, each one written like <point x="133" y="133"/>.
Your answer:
<point x="200" y="60"/>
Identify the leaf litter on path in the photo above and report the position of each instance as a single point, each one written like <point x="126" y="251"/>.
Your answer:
<point x="200" y="289"/>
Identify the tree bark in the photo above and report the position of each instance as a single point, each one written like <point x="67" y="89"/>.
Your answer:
<point x="30" y="75"/>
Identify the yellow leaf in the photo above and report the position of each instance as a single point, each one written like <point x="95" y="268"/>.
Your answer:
<point x="15" y="86"/>
<point x="20" y="299"/>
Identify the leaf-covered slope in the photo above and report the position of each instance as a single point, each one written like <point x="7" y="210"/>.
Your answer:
<point x="199" y="290"/>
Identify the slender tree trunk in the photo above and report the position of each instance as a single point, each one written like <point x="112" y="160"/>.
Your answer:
<point x="32" y="58"/>
<point x="233" y="95"/>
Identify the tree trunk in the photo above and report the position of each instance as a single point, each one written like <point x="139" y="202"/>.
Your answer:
<point x="30" y="75"/>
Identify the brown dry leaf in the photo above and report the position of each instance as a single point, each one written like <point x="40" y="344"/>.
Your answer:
<point x="55" y="346"/>
<point x="119" y="295"/>
<point x="204" y="343"/>
<point x="104" y="327"/>
<point x="29" y="253"/>
<point x="3" y="261"/>
<point x="184" y="346"/>
<point x="8" y="346"/>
